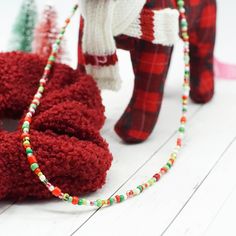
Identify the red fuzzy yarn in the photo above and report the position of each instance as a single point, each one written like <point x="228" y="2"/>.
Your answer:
<point x="65" y="129"/>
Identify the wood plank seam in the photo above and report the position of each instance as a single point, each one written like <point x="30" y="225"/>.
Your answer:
<point x="219" y="210"/>
<point x="140" y="168"/>
<point x="200" y="184"/>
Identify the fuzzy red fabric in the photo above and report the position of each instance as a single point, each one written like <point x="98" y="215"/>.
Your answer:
<point x="64" y="132"/>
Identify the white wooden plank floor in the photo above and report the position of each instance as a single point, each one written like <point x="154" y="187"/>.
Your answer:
<point x="197" y="197"/>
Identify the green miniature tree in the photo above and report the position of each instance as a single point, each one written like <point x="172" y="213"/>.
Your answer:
<point x="23" y="30"/>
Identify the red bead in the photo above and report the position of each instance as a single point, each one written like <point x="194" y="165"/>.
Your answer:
<point x="68" y="21"/>
<point x="164" y="170"/>
<point x="28" y="119"/>
<point x="183" y="119"/>
<point x="131" y="193"/>
<point x="56" y="192"/>
<point x="117" y="197"/>
<point x="32" y="160"/>
<point x="25" y="135"/>
<point x="54" y="54"/>
<point x="157" y="176"/>
<point x="179" y="142"/>
<point x="37" y="171"/>
<point x="75" y="200"/>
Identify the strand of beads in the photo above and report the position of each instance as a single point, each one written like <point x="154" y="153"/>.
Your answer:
<point x="56" y="191"/>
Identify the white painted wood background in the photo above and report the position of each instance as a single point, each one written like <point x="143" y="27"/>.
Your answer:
<point x="197" y="197"/>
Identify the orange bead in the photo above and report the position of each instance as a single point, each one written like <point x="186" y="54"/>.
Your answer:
<point x="56" y="192"/>
<point x="32" y="160"/>
<point x="75" y="200"/>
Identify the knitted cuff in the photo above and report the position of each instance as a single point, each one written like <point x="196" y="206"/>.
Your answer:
<point x="98" y="43"/>
<point x="158" y="27"/>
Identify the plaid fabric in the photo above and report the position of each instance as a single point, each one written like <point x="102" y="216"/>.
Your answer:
<point x="81" y="58"/>
<point x="151" y="63"/>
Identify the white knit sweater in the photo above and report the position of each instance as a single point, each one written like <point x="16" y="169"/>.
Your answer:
<point x="105" y="19"/>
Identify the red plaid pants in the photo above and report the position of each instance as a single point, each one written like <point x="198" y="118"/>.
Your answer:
<point x="151" y="63"/>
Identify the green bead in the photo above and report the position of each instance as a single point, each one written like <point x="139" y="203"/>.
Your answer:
<point x="154" y="180"/>
<point x="168" y="165"/>
<point x="122" y="198"/>
<point x="58" y="41"/>
<point x="25" y="125"/>
<point x="180" y="3"/>
<point x="80" y="202"/>
<point x="34" y="106"/>
<point x="98" y="203"/>
<point x="140" y="188"/>
<point x="34" y="166"/>
<point x="151" y="182"/>
<point x="51" y="58"/>
<point x="41" y="89"/>
<point x="187" y="73"/>
<point x="29" y="151"/>
<point x="184" y="23"/>
<point x="182" y="129"/>
<point x="111" y="201"/>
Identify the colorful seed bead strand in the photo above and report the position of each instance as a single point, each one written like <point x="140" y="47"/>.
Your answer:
<point x="56" y="191"/>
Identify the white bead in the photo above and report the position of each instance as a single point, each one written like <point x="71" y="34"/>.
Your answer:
<point x="88" y="203"/>
<point x="38" y="95"/>
<point x="136" y="191"/>
<point x="26" y="130"/>
<point x="42" y="81"/>
<point x="51" y="188"/>
<point x="42" y="178"/>
<point x="55" y="47"/>
<point x="29" y="114"/>
<point x="32" y="110"/>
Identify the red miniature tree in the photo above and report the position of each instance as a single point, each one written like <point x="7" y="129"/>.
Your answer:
<point x="46" y="32"/>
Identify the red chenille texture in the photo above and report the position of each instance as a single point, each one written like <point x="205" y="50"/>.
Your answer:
<point x="64" y="131"/>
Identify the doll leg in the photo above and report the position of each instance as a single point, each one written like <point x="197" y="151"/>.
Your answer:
<point x="202" y="41"/>
<point x="81" y="61"/>
<point x="150" y="65"/>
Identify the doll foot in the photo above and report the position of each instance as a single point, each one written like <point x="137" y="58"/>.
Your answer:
<point x="202" y="90"/>
<point x="136" y="125"/>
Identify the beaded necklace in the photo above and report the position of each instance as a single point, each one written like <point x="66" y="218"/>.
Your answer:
<point x="25" y="136"/>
